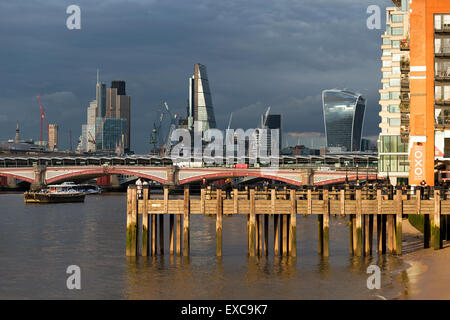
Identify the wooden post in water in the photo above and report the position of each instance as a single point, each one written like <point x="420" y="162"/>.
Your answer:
<point x="359" y="243"/>
<point x="285" y="234"/>
<point x="324" y="250"/>
<point x="202" y="200"/>
<point x="186" y="220"/>
<point x="161" y="220"/>
<point x="179" y="235"/>
<point x="381" y="225"/>
<point x="145" y="229"/>
<point x="293" y="225"/>
<point x="276" y="220"/>
<point x="154" y="234"/>
<point x="399" y="221"/>
<point x="437" y="239"/>
<point x="219" y="215"/>
<point x="171" y="234"/>
<point x="132" y="221"/>
<point x="235" y="201"/>
<point x="260" y="234"/>
<point x="252" y="220"/>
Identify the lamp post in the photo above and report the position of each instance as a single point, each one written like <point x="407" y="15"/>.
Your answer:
<point x="357" y="177"/>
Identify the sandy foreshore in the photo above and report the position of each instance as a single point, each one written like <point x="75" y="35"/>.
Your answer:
<point x="428" y="274"/>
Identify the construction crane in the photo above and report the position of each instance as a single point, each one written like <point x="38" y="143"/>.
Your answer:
<point x="265" y="117"/>
<point x="173" y="126"/>
<point x="229" y="122"/>
<point x="42" y="115"/>
<point x="155" y="136"/>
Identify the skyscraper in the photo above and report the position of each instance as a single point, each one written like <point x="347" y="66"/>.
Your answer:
<point x="394" y="95"/>
<point x="100" y="97"/>
<point x="272" y="121"/>
<point x="200" y="107"/>
<point x="343" y="116"/>
<point x="118" y="106"/>
<point x="52" y="137"/>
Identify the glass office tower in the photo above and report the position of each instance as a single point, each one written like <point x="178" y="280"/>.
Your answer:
<point x="343" y="116"/>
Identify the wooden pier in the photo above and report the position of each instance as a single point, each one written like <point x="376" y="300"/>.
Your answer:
<point x="367" y="209"/>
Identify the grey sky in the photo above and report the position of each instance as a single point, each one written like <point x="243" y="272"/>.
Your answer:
<point x="280" y="53"/>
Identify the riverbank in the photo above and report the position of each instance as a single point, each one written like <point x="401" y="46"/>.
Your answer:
<point x="427" y="276"/>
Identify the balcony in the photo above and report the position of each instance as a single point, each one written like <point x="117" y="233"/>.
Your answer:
<point x="404" y="107"/>
<point x="404" y="85"/>
<point x="445" y="29"/>
<point x="443" y="52"/>
<point x="442" y="75"/>
<point x="404" y="97"/>
<point x="404" y="66"/>
<point x="404" y="45"/>
<point x="442" y="102"/>
<point x="442" y="117"/>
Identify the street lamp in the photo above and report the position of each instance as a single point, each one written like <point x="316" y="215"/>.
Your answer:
<point x="357" y="177"/>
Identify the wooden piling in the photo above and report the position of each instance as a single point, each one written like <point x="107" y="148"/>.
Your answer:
<point x="235" y="201"/>
<point x="252" y="221"/>
<point x="359" y="235"/>
<point x="171" y="234"/>
<point x="436" y="224"/>
<point x="145" y="229"/>
<point x="325" y="224"/>
<point x="202" y="200"/>
<point x="132" y="221"/>
<point x="219" y="215"/>
<point x="260" y="234"/>
<point x="350" y="228"/>
<point x="266" y="235"/>
<point x="390" y="236"/>
<point x="293" y="225"/>
<point x="154" y="234"/>
<point x="381" y="225"/>
<point x="285" y="234"/>
<point x="399" y="221"/>
<point x="186" y="221"/>
<point x="178" y="235"/>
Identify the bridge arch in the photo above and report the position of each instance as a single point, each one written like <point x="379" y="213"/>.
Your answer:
<point x="239" y="174"/>
<point x="99" y="172"/>
<point x="16" y="176"/>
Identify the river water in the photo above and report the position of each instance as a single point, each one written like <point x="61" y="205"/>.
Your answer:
<point x="39" y="242"/>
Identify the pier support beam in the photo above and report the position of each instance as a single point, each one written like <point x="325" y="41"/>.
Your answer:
<point x="186" y="221"/>
<point x="145" y="229"/>
<point x="252" y="222"/>
<point x="436" y="224"/>
<point x="359" y="235"/>
<point x="132" y="222"/>
<point x="219" y="215"/>
<point x="324" y="225"/>
<point x="293" y="225"/>
<point x="399" y="221"/>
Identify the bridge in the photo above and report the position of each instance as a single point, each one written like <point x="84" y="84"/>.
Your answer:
<point x="297" y="171"/>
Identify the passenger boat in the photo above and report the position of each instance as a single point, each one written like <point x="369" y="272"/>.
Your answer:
<point x="44" y="196"/>
<point x="73" y="187"/>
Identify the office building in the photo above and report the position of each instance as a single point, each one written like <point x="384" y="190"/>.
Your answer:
<point x="118" y="106"/>
<point x="200" y="107"/>
<point x="272" y="121"/>
<point x="343" y="116"/>
<point x="52" y="137"/>
<point x="394" y="95"/>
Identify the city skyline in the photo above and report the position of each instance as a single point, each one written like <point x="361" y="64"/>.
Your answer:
<point x="286" y="66"/>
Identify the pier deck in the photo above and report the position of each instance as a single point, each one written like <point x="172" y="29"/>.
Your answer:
<point x="361" y="205"/>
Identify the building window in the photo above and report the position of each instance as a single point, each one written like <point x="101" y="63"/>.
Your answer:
<point x="386" y="52"/>
<point x="394" y="82"/>
<point x="384" y="96"/>
<point x="394" y="95"/>
<point x="394" y="122"/>
<point x="387" y="63"/>
<point x="394" y="109"/>
<point x="396" y="44"/>
<point x="397" y="31"/>
<point x="386" y="74"/>
<point x="397" y="18"/>
<point x="386" y="41"/>
<point x="396" y="70"/>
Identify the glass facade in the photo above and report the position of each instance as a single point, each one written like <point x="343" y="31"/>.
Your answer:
<point x="111" y="132"/>
<point x="344" y="116"/>
<point x="200" y="101"/>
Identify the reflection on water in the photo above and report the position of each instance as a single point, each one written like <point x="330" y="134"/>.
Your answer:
<point x="38" y="243"/>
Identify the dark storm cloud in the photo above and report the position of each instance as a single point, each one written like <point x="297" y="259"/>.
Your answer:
<point x="258" y="52"/>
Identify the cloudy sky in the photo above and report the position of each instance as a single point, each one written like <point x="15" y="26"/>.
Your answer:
<point x="258" y="53"/>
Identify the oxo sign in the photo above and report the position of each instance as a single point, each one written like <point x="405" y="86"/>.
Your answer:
<point x="418" y="163"/>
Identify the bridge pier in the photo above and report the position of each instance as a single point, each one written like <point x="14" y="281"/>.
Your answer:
<point x="39" y="178"/>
